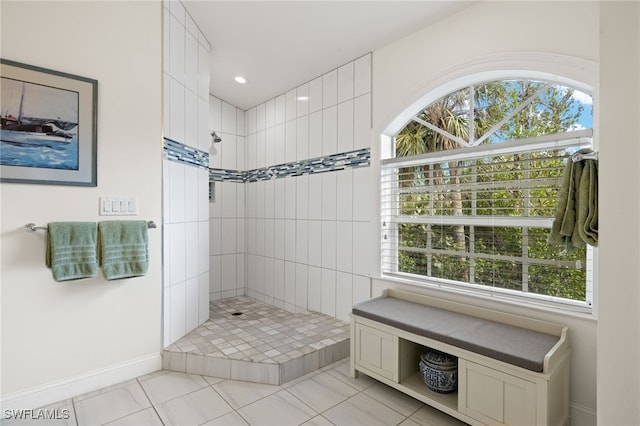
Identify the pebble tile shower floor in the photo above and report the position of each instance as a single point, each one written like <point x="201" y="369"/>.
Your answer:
<point x="245" y="339"/>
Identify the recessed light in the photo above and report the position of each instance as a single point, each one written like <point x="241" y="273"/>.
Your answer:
<point x="240" y="79"/>
<point x="303" y="98"/>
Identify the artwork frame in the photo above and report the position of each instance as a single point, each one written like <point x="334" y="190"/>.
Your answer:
<point x="48" y="127"/>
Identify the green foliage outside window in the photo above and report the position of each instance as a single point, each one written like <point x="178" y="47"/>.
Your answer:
<point x="511" y="257"/>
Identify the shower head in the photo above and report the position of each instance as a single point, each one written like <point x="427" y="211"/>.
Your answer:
<point x="215" y="137"/>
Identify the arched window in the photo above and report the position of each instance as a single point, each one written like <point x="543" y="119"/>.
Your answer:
<point x="470" y="190"/>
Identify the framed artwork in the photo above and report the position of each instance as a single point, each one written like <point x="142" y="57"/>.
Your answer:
<point x="48" y="126"/>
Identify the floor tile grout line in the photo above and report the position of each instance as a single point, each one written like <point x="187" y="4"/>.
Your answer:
<point x="151" y="402"/>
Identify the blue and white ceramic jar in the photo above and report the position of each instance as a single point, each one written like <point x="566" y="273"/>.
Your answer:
<point x="439" y="371"/>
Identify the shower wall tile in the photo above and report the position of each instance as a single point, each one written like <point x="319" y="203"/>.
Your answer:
<point x="302" y="138"/>
<point x="191" y="60"/>
<point x="192" y="245"/>
<point x="314" y="288"/>
<point x="302" y="100"/>
<point x="362" y="121"/>
<point x="301" y="285"/>
<point x="191" y="115"/>
<point x="302" y="226"/>
<point x="344" y="295"/>
<point x="191" y="203"/>
<point x="203" y="195"/>
<point x="330" y="89"/>
<point x="314" y="250"/>
<point x="330" y="130"/>
<point x="289" y="283"/>
<point x="178" y="309"/>
<point x="302" y="197"/>
<point x="329" y="190"/>
<point x="290" y="105"/>
<point x="345" y="126"/>
<point x="279" y="144"/>
<point x="278" y="279"/>
<point x="176" y="110"/>
<point x="269" y="113"/>
<point x="215" y="232"/>
<point x="345" y="82"/>
<point x="260" y="117"/>
<point x="362" y="75"/>
<point x="315" y="134"/>
<point x="176" y="233"/>
<point x="315" y="196"/>
<point x="290" y="240"/>
<point x="290" y="141"/>
<point x="203" y="247"/>
<point x="279" y="238"/>
<point x="270" y="145"/>
<point x="362" y="193"/>
<point x="344" y="195"/>
<point x="329" y="240"/>
<point x="301" y="240"/>
<point x="203" y="296"/>
<point x="250" y="121"/>
<point x="191" y="303"/>
<point x="229" y="118"/>
<point x="344" y="246"/>
<point x="203" y="131"/>
<point x="176" y="48"/>
<point x="280" y="115"/>
<point x="315" y="95"/>
<point x="228" y="271"/>
<point x="362" y="240"/>
<point x="328" y="292"/>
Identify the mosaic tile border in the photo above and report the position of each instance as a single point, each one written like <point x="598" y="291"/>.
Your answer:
<point x="181" y="153"/>
<point x="330" y="163"/>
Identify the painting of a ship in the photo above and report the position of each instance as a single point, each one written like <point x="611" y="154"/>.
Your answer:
<point x="26" y="130"/>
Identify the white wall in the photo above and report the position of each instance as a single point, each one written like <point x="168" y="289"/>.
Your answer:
<point x="482" y="38"/>
<point x="84" y="334"/>
<point x="185" y="186"/>
<point x="619" y="292"/>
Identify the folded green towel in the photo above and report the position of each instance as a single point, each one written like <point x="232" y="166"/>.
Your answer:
<point x="124" y="248"/>
<point x="71" y="250"/>
<point x="576" y="219"/>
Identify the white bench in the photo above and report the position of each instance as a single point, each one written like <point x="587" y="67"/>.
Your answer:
<point x="511" y="369"/>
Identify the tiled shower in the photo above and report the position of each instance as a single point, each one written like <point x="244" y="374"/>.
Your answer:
<point x="281" y="211"/>
<point x="303" y="236"/>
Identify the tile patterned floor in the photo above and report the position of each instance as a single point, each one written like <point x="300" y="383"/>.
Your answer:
<point x="328" y="396"/>
<point x="263" y="336"/>
<point x="246" y="339"/>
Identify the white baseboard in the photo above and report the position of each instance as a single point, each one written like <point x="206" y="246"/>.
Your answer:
<point x="582" y="416"/>
<point x="50" y="393"/>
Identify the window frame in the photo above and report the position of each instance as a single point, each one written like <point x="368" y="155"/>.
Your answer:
<point x="388" y="159"/>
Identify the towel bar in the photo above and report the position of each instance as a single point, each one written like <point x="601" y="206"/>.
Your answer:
<point x="31" y="227"/>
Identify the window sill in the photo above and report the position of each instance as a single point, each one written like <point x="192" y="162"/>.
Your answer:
<point x="493" y="299"/>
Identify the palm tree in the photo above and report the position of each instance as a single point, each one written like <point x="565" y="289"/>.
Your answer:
<point x="449" y="114"/>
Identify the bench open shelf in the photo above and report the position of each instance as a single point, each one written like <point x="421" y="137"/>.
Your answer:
<point x="490" y="391"/>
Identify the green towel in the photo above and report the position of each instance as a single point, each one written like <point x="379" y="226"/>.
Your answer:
<point x="71" y="250"/>
<point x="576" y="219"/>
<point x="124" y="248"/>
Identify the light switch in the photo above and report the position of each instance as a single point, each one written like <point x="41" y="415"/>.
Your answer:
<point x="118" y="206"/>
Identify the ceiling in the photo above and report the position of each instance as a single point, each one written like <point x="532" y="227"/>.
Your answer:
<point x="279" y="45"/>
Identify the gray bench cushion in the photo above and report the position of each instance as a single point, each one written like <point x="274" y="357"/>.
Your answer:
<point x="514" y="345"/>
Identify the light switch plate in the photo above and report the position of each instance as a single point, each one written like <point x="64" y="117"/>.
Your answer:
<point x="118" y="206"/>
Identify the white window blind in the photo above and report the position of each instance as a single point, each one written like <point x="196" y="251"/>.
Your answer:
<point x="481" y="216"/>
